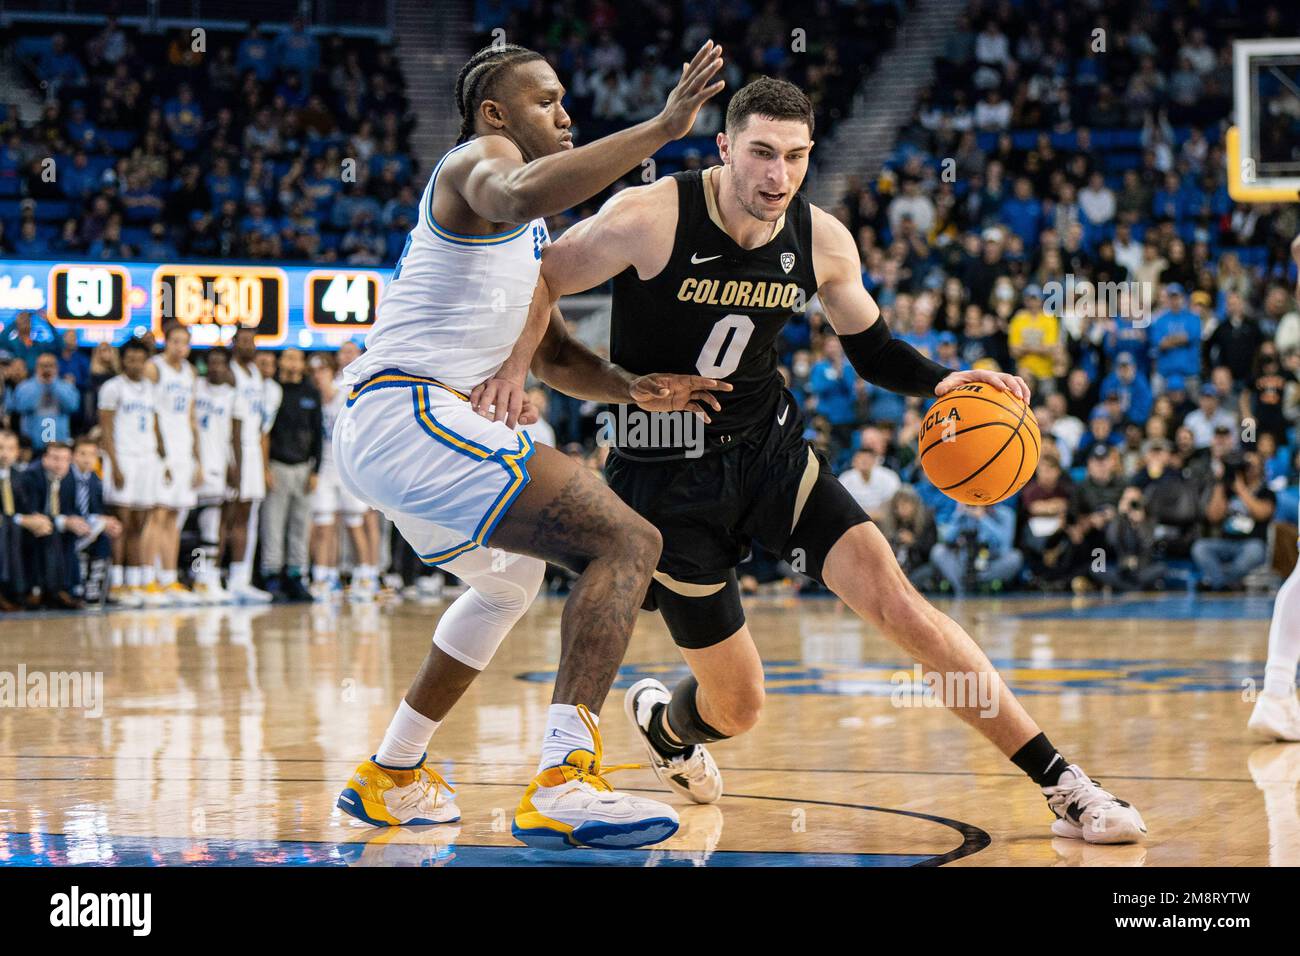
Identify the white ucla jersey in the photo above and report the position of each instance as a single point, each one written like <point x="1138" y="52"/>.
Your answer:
<point x="133" y="406"/>
<point x="214" y="409"/>
<point x="329" y="415"/>
<point x="456" y="303"/>
<point x="175" y="401"/>
<point x="250" y="404"/>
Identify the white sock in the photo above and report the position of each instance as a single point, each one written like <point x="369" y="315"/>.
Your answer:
<point x="320" y="574"/>
<point x="146" y="575"/>
<point x="166" y="578"/>
<point x="1284" y="639"/>
<point x="239" y="574"/>
<point x="116" y="576"/>
<point x="365" y="572"/>
<point x="407" y="738"/>
<point x="565" y="732"/>
<point x="134" y="577"/>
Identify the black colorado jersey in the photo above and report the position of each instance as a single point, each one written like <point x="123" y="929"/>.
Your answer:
<point x="717" y="309"/>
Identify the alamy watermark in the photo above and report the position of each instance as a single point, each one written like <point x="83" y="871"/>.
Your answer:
<point x="966" y="689"/>
<point x="75" y="690"/>
<point x="634" y="428"/>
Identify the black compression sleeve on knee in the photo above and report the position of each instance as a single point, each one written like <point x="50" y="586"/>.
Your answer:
<point x="891" y="363"/>
<point x="684" y="716"/>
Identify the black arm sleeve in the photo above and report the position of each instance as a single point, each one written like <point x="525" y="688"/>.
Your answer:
<point x="891" y="363"/>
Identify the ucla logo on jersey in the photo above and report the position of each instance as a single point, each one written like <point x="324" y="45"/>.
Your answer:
<point x="539" y="241"/>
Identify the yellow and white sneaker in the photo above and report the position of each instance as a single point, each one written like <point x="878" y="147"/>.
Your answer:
<point x="386" y="797"/>
<point x="154" y="595"/>
<point x="126" y="597"/>
<point x="573" y="805"/>
<point x="179" y="594"/>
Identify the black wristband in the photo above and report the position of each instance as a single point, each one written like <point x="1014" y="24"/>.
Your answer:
<point x="891" y="363"/>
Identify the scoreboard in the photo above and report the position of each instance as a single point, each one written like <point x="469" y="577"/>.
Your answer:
<point x="308" y="307"/>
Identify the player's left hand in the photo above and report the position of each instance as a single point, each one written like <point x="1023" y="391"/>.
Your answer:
<point x="668" y="392"/>
<point x="311" y="483"/>
<point x="499" y="400"/>
<point x="1003" y="381"/>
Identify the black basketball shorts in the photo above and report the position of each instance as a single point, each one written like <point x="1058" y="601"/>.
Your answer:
<point x="767" y="485"/>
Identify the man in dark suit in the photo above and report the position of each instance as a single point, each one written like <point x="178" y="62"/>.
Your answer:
<point x="88" y="497"/>
<point x="17" y="523"/>
<point x="52" y="558"/>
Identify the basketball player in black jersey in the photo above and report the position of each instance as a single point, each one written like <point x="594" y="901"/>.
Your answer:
<point x="707" y="268"/>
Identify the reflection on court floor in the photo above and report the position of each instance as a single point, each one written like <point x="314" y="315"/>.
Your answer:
<point x="223" y="736"/>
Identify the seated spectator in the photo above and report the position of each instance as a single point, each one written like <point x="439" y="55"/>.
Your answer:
<point x="1129" y="561"/>
<point x="16" y="522"/>
<point x="1171" y="500"/>
<point x="1131" y="390"/>
<point x="25" y="339"/>
<point x="1045" y="504"/>
<point x="46" y="404"/>
<point x="835" y="387"/>
<point x="1208" y="416"/>
<point x="976" y="548"/>
<point x="871" y="484"/>
<point x="51" y="558"/>
<point x="1094" y="504"/>
<point x="909" y="528"/>
<point x="88" y="499"/>
<point x="1101" y="431"/>
<point x="1237" y="516"/>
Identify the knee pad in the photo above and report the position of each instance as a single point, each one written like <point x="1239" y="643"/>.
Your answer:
<point x="501" y="588"/>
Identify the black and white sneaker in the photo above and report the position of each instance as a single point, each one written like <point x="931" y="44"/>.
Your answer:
<point x="1084" y="811"/>
<point x="693" y="774"/>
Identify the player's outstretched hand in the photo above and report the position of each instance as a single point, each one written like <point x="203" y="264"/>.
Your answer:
<point x="666" y="392"/>
<point x="1003" y="381"/>
<point x="499" y="400"/>
<point x="692" y="91"/>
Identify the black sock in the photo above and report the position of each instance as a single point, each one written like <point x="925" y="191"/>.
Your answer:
<point x="658" y="738"/>
<point x="1041" y="761"/>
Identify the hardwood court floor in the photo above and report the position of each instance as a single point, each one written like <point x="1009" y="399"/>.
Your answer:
<point x="226" y="734"/>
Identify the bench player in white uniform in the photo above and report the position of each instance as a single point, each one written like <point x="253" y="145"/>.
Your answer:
<point x="331" y="500"/>
<point x="175" y="383"/>
<point x="133" y="470"/>
<point x="459" y="486"/>
<point x="250" y="463"/>
<point x="348" y="353"/>
<point x="1276" y="715"/>
<point x="219" y="443"/>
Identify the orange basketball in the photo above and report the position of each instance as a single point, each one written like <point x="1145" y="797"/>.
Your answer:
<point x="979" y="444"/>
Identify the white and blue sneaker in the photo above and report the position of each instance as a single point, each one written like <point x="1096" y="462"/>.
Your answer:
<point x="572" y="805"/>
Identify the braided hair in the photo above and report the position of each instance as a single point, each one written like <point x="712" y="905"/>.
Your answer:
<point x="475" y="82"/>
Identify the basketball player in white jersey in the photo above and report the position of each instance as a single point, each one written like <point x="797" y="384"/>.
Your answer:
<point x="1277" y="713"/>
<point x="133" y="470"/>
<point x="175" y="384"/>
<point x="475" y="496"/>
<point x="219" y="447"/>
<point x="365" y="582"/>
<point x="331" y="500"/>
<point x="250" y="464"/>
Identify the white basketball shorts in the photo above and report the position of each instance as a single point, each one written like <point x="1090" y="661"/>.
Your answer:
<point x="141" y="478"/>
<point x="413" y="448"/>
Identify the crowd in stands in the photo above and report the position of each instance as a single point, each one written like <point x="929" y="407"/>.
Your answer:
<point x="284" y="146"/>
<point x="1052" y="209"/>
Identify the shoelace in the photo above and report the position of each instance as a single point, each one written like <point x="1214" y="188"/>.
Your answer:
<point x="1086" y="793"/>
<point x="596" y="775"/>
<point x="434" y="782"/>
